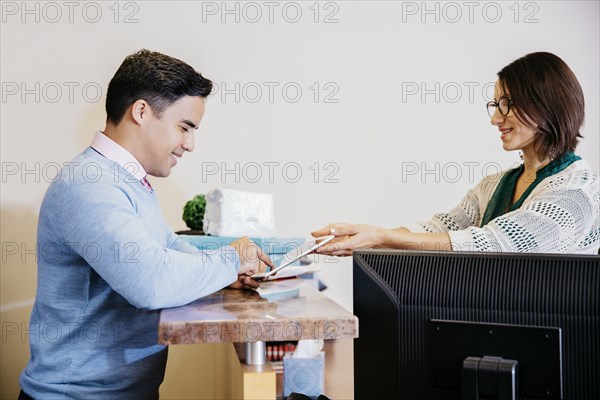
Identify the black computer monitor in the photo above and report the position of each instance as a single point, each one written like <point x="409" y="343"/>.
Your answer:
<point x="464" y="325"/>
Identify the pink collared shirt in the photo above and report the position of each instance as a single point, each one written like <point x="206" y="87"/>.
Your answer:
<point x="115" y="152"/>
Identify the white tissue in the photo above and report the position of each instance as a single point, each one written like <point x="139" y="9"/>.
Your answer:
<point x="308" y="348"/>
<point x="236" y="213"/>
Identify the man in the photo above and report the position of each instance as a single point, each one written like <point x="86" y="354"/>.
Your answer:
<point x="107" y="261"/>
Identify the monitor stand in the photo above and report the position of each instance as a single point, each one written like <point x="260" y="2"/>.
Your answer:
<point x="489" y="377"/>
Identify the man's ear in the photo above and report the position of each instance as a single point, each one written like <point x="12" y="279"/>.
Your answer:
<point x="140" y="111"/>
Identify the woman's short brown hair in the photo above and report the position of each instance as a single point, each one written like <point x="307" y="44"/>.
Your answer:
<point x="546" y="92"/>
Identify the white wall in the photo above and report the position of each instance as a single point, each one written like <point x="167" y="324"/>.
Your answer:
<point x="384" y="154"/>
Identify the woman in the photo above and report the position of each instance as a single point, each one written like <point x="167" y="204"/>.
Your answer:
<point x="549" y="204"/>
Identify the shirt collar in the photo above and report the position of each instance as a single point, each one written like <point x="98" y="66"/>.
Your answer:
<point x="115" y="152"/>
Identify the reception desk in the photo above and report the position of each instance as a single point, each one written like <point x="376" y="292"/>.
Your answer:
<point x="243" y="316"/>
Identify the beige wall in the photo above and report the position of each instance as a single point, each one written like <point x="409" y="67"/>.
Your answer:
<point x="358" y="122"/>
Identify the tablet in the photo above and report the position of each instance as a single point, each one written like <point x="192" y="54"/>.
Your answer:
<point x="294" y="255"/>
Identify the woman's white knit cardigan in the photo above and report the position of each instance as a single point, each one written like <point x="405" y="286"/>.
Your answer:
<point x="561" y="215"/>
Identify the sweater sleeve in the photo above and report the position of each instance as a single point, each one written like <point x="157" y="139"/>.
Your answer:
<point x="176" y="243"/>
<point x="111" y="238"/>
<point x="560" y="216"/>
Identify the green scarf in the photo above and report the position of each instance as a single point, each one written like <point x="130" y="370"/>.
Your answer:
<point x="500" y="202"/>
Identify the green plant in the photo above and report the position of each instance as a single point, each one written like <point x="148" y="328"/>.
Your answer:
<point x="193" y="212"/>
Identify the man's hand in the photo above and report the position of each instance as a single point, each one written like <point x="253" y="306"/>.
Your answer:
<point x="252" y="261"/>
<point x="244" y="282"/>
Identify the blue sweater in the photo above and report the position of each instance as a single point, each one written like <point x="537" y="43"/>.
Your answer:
<point x="107" y="264"/>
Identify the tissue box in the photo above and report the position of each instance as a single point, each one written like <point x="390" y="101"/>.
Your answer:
<point x="237" y="213"/>
<point x="274" y="247"/>
<point x="304" y="375"/>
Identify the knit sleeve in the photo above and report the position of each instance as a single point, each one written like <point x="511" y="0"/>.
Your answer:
<point x="101" y="226"/>
<point x="560" y="216"/>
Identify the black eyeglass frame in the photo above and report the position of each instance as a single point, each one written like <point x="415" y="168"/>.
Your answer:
<point x="496" y="104"/>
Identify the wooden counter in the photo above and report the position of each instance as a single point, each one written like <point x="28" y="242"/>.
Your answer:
<point x="239" y="316"/>
<point x="243" y="316"/>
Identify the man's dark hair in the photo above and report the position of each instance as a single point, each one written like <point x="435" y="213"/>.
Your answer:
<point x="157" y="78"/>
<point x="546" y="92"/>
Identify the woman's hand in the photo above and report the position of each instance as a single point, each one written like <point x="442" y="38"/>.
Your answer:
<point x="252" y="261"/>
<point x="350" y="237"/>
<point x="353" y="237"/>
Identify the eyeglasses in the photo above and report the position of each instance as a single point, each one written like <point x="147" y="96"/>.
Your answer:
<point x="503" y="106"/>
